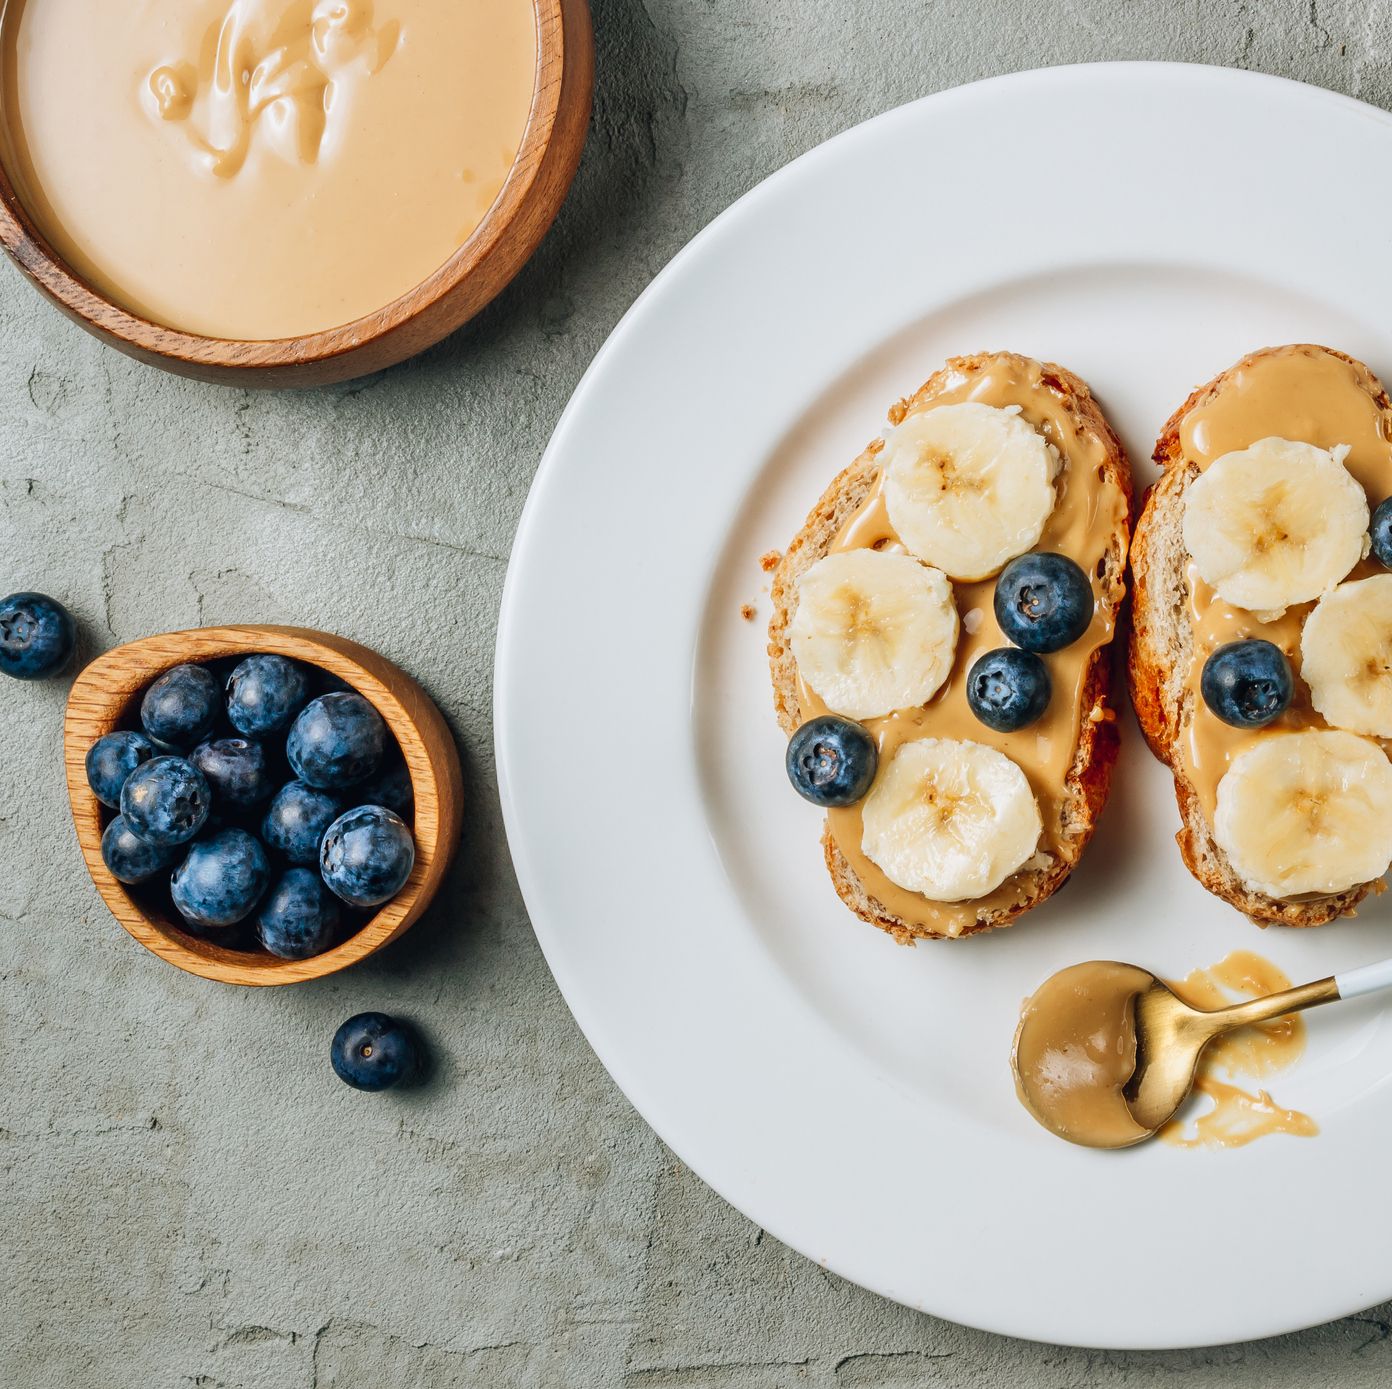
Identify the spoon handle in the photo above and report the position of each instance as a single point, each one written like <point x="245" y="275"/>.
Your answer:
<point x="1365" y="980"/>
<point x="1369" y="979"/>
<point x="1277" y="1005"/>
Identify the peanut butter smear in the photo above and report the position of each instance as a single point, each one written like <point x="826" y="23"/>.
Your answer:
<point x="1075" y="1054"/>
<point x="1088" y="515"/>
<point x="1239" y="1117"/>
<point x="1303" y="393"/>
<point x="257" y="169"/>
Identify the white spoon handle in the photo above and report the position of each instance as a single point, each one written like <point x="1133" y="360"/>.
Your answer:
<point x="1365" y="980"/>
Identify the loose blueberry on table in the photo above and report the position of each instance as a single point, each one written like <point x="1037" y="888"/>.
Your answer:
<point x="367" y="855"/>
<point x="264" y="694"/>
<point x="222" y="878"/>
<point x="111" y="759"/>
<point x="1043" y="602"/>
<point x="181" y="707"/>
<point x="831" y="761"/>
<point x="299" y="916"/>
<point x="166" y="801"/>
<point x="37" y="636"/>
<point x="296" y="820"/>
<point x="337" y="741"/>
<point x="1008" y="689"/>
<point x="1247" y="683"/>
<point x="372" y="1051"/>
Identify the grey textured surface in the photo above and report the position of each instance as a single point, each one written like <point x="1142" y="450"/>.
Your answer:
<point x="190" y="1198"/>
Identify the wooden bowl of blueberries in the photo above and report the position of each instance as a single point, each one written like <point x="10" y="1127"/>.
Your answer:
<point x="260" y="805"/>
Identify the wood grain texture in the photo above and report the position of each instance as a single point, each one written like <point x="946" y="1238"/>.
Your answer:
<point x="106" y="696"/>
<point x="541" y="175"/>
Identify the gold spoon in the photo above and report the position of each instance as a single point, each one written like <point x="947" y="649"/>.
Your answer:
<point x="1106" y="1053"/>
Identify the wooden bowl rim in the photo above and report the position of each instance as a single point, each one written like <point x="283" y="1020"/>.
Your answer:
<point x="23" y="240"/>
<point x="437" y="812"/>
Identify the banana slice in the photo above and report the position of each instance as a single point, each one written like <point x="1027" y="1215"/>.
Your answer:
<point x="950" y="819"/>
<point x="1306" y="812"/>
<point x="968" y="486"/>
<point x="1346" y="656"/>
<point x="873" y="632"/>
<point x="1278" y="523"/>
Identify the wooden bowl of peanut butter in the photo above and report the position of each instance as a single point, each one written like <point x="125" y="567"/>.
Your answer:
<point x="285" y="192"/>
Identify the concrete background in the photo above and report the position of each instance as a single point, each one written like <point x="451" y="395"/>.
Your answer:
<point x="190" y="1197"/>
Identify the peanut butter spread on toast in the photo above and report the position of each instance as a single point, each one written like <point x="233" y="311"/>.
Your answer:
<point x="1090" y="512"/>
<point x="1302" y="393"/>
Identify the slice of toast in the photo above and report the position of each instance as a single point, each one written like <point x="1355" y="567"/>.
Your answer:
<point x="1161" y="655"/>
<point x="1089" y="775"/>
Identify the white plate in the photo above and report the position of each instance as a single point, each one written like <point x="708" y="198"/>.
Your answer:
<point x="1145" y="225"/>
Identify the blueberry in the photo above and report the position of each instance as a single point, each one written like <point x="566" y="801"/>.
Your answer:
<point x="132" y="860"/>
<point x="338" y="740"/>
<point x="296" y="820"/>
<point x="326" y="682"/>
<point x="182" y="706"/>
<point x="37" y="636"/>
<point x="240" y="936"/>
<point x="264" y="693"/>
<point x="391" y="787"/>
<point x="1043" y="602"/>
<point x="222" y="878"/>
<point x="1247" y="683"/>
<point x="110" y="760"/>
<point x="236" y="770"/>
<point x="372" y="1051"/>
<point x="1382" y="533"/>
<point x="299" y="916"/>
<point x="221" y="668"/>
<point x="367" y="854"/>
<point x="1008" y="688"/>
<point x="165" y="801"/>
<point x="831" y="761"/>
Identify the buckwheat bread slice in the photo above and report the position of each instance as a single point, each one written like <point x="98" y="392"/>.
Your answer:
<point x="1161" y="651"/>
<point x="1089" y="776"/>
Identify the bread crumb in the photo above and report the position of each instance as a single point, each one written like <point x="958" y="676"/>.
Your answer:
<point x="747" y="611"/>
<point x="770" y="561"/>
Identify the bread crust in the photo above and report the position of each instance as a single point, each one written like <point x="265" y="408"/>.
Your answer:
<point x="1089" y="777"/>
<point x="1160" y="653"/>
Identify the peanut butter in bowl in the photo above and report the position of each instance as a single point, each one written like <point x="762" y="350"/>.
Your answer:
<point x="261" y="169"/>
